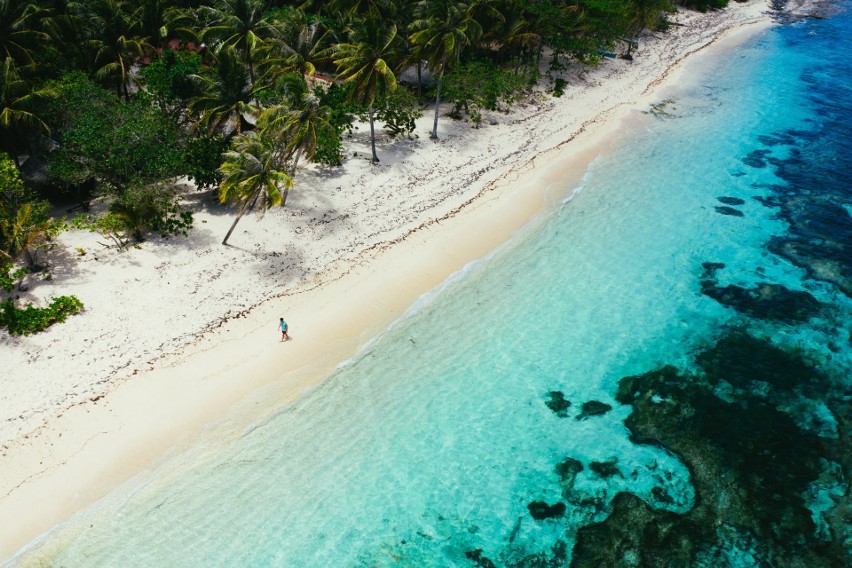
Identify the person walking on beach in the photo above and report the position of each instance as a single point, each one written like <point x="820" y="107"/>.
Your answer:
<point x="283" y="327"/>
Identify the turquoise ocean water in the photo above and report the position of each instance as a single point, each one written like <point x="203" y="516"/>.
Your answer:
<point x="429" y="448"/>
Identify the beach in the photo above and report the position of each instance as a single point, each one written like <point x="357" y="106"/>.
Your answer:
<point x="178" y="339"/>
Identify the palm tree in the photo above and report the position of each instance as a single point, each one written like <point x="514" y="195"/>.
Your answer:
<point x="297" y="126"/>
<point x="250" y="175"/>
<point x="226" y="92"/>
<point x="15" y="96"/>
<point x="298" y="45"/>
<point x="239" y="24"/>
<point x="364" y="62"/>
<point x="444" y="29"/>
<point x="18" y="35"/>
<point x="28" y="224"/>
<point x="642" y="14"/>
<point x="113" y="31"/>
<point x="161" y="20"/>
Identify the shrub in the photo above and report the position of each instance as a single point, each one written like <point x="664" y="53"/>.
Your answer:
<point x="30" y="319"/>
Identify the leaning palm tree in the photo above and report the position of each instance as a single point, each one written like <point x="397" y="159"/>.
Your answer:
<point x="298" y="125"/>
<point x="364" y="63"/>
<point x="225" y="93"/>
<point x="251" y="175"/>
<point x="444" y="29"/>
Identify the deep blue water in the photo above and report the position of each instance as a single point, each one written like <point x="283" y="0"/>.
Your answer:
<point x="715" y="240"/>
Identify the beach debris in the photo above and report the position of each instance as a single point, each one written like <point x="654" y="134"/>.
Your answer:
<point x="661" y="109"/>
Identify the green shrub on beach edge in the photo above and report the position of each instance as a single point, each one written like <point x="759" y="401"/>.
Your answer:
<point x="29" y="320"/>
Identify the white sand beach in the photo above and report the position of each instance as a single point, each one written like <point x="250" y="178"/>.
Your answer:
<point x="178" y="339"/>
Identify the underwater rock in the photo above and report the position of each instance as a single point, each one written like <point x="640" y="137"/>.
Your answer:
<point x="606" y="469"/>
<point x="750" y="462"/>
<point x="725" y="210"/>
<point x="756" y="159"/>
<point x="567" y="471"/>
<point x="765" y="301"/>
<point x="558" y="403"/>
<point x="710" y="269"/>
<point x="634" y="534"/>
<point x="731" y="200"/>
<point x="479" y="560"/>
<point x="593" y="408"/>
<point x="539" y="510"/>
<point x="558" y="558"/>
<point x="660" y="495"/>
<point x="743" y="361"/>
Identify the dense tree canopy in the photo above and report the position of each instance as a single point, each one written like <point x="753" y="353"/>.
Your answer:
<point x="119" y="96"/>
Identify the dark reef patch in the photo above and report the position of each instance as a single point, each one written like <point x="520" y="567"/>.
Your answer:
<point x="725" y="210"/>
<point x="606" y="469"/>
<point x="593" y="408"/>
<point x="751" y="464"/>
<point x="539" y="510"/>
<point x="557" y="402"/>
<point x="567" y="471"/>
<point x="478" y="559"/>
<point x="634" y="534"/>
<point x="764" y="301"/>
<point x="731" y="200"/>
<point x="755" y="159"/>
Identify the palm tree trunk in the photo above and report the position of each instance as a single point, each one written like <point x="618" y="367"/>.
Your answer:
<point x="375" y="159"/>
<point x="242" y="210"/>
<point x="419" y="80"/>
<point x="434" y="135"/>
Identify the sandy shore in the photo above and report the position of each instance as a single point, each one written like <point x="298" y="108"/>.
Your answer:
<point x="178" y="339"/>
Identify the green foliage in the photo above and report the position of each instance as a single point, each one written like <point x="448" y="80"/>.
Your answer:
<point x="399" y="112"/>
<point x="9" y="275"/>
<point x="703" y="5"/>
<point x="329" y="149"/>
<point x="337" y="98"/>
<point x="29" y="320"/>
<point x="169" y="78"/>
<point x="559" y="86"/>
<point x="119" y="143"/>
<point x="24" y="220"/>
<point x="203" y="156"/>
<point x="109" y="226"/>
<point x="135" y="212"/>
<point x="74" y="95"/>
<point x="481" y="85"/>
<point x="150" y="208"/>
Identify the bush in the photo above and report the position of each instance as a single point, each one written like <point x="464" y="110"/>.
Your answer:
<point x="398" y="112"/>
<point x="30" y="320"/>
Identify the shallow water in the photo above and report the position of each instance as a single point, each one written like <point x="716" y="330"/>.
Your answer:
<point x="433" y="442"/>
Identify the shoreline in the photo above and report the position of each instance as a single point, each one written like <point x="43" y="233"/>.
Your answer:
<point x="97" y="445"/>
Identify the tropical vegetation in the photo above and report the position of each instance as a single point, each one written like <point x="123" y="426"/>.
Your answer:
<point x="109" y="101"/>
